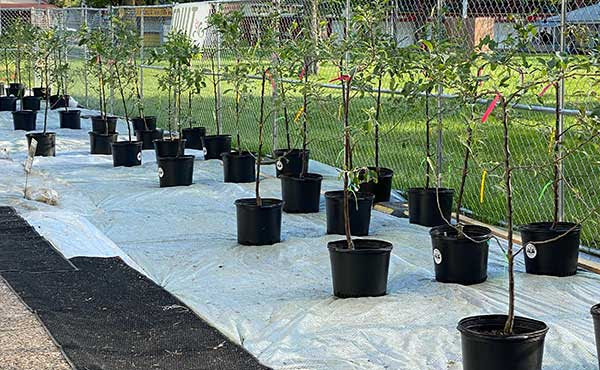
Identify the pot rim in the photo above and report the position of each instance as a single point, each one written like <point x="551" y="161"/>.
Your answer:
<point x="166" y="139"/>
<point x="101" y="134"/>
<point x="127" y="142"/>
<point x="145" y="117"/>
<point x="386" y="247"/>
<point x="292" y="150"/>
<point x="152" y="131"/>
<point x="181" y="157"/>
<point x="225" y="136"/>
<point x="308" y="177"/>
<point x="595" y="310"/>
<point x="383" y="171"/>
<point x="544" y="226"/>
<point x="69" y="111"/>
<point x="11" y="97"/>
<point x="38" y="134"/>
<point x="195" y="128"/>
<point x="100" y="118"/>
<point x="32" y="97"/>
<point x="251" y="203"/>
<point x="25" y="112"/>
<point x="234" y="153"/>
<point x="361" y="195"/>
<point x="491" y="319"/>
<point x="431" y="190"/>
<point x="440" y="232"/>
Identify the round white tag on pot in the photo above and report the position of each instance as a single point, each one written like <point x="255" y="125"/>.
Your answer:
<point x="279" y="165"/>
<point x="204" y="151"/>
<point x="531" y="251"/>
<point x="161" y="173"/>
<point x="437" y="256"/>
<point x="139" y="156"/>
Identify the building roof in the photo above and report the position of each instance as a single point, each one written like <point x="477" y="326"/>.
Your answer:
<point x="37" y="4"/>
<point x="586" y="15"/>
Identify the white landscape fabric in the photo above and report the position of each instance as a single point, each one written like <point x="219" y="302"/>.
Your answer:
<point x="277" y="300"/>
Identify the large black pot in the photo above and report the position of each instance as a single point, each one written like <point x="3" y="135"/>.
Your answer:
<point x="59" y="101"/>
<point x="423" y="207"/>
<point x="460" y="260"/>
<point x="31" y="103"/>
<point x="70" y="119"/>
<point x="362" y="271"/>
<point x="596" y="315"/>
<point x="301" y="194"/>
<point x="360" y="217"/>
<point x="258" y="225"/>
<point x="147" y="137"/>
<point x="169" y="148"/>
<point x="289" y="161"/>
<point x="41" y="92"/>
<point x="194" y="137"/>
<point x="176" y="171"/>
<point x="8" y="104"/>
<point x="16" y="89"/>
<point x="483" y="348"/>
<point x="239" y="168"/>
<point x="24" y="120"/>
<point x="215" y="145"/>
<point x="102" y="143"/>
<point x="104" y="126"/>
<point x="46" y="143"/>
<point x="382" y="189"/>
<point x="127" y="153"/>
<point x="138" y="123"/>
<point x="555" y="258"/>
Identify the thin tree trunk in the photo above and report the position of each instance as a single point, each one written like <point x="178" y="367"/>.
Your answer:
<point x="347" y="163"/>
<point x="427" y="140"/>
<point x="47" y="96"/>
<point x="304" y="125"/>
<point x="286" y="117"/>
<point x="556" y="164"/>
<point x="465" y="172"/>
<point x="237" y="119"/>
<point x="215" y="92"/>
<point x="377" y="113"/>
<point x="260" y="138"/>
<point x="123" y="100"/>
<point x="510" y="320"/>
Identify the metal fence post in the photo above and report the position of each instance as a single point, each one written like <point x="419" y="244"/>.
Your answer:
<point x="440" y="91"/>
<point x="219" y="108"/>
<point x="112" y="39"/>
<point x="275" y="77"/>
<point x="85" y="58"/>
<point x="142" y="33"/>
<point x="561" y="105"/>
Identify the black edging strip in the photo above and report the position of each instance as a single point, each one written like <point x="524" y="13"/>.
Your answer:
<point x="104" y="315"/>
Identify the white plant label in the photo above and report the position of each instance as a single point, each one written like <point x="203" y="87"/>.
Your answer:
<point x="531" y="251"/>
<point x="139" y="156"/>
<point x="280" y="165"/>
<point x="30" y="155"/>
<point x="204" y="151"/>
<point x="437" y="256"/>
<point x="161" y="173"/>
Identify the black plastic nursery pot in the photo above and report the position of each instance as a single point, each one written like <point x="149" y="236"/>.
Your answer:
<point x="556" y="258"/>
<point x="215" y="145"/>
<point x="239" y="167"/>
<point x="102" y="143"/>
<point x="24" y="120"/>
<point x="596" y="315"/>
<point x="194" y="137"/>
<point x="289" y="161"/>
<point x="460" y="260"/>
<point x="138" y="123"/>
<point x="8" y="104"/>
<point x="104" y="126"/>
<point x="169" y="148"/>
<point x="127" y="153"/>
<point x="46" y="143"/>
<point x="258" y="225"/>
<point x="484" y="347"/>
<point x="31" y="103"/>
<point x="176" y="171"/>
<point x="147" y="137"/>
<point x="360" y="217"/>
<point x="70" y="119"/>
<point x="301" y="194"/>
<point x="59" y="101"/>
<point x="382" y="189"/>
<point x="41" y="92"/>
<point x="423" y="206"/>
<point x="362" y="271"/>
<point x="16" y="89"/>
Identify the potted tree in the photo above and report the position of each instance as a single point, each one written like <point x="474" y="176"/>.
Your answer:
<point x="23" y="119"/>
<point x="124" y="51"/>
<point x="259" y="219"/>
<point x="359" y="267"/>
<point x="238" y="164"/>
<point x="174" y="168"/>
<point x="30" y="55"/>
<point x="193" y="134"/>
<point x="301" y="193"/>
<point x="7" y="102"/>
<point x="46" y="141"/>
<point x="68" y="118"/>
<point x="104" y="127"/>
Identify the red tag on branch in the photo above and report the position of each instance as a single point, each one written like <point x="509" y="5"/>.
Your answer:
<point x="545" y="89"/>
<point x="341" y="78"/>
<point x="490" y="108"/>
<point x="270" y="77"/>
<point x="302" y="73"/>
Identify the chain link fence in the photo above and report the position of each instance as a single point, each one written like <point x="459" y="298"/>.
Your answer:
<point x="403" y="126"/>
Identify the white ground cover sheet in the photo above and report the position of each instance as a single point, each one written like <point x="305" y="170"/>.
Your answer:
<point x="277" y="300"/>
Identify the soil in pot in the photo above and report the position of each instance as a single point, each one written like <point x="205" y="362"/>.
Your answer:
<point x="99" y="124"/>
<point x="423" y="207"/>
<point x="8" y="104"/>
<point x="460" y="260"/>
<point x="16" y="89"/>
<point x="169" y="148"/>
<point x="176" y="171"/>
<point x="258" y="225"/>
<point x="194" y="137"/>
<point x="24" y="120"/>
<point x="31" y="103"/>
<point x="41" y="92"/>
<point x="46" y="143"/>
<point x="484" y="347"/>
<point x="301" y="194"/>
<point x="596" y="315"/>
<point x="147" y="137"/>
<point x="382" y="189"/>
<point x="138" y="123"/>
<point x="215" y="145"/>
<point x="102" y="143"/>
<point x="360" y="217"/>
<point x="362" y="271"/>
<point x="289" y="161"/>
<point x="127" y="153"/>
<point x="238" y="168"/>
<point x="70" y="119"/>
<point x="556" y="258"/>
<point x="59" y="101"/>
